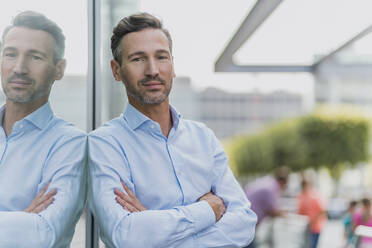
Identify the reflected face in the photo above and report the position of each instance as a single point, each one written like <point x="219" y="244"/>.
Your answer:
<point x="27" y="67"/>
<point x="147" y="66"/>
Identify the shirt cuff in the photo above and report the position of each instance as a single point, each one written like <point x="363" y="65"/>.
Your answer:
<point x="202" y="215"/>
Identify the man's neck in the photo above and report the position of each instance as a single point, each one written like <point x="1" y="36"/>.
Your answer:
<point x="159" y="113"/>
<point x="17" y="111"/>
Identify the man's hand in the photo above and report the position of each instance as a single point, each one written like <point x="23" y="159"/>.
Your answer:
<point x="128" y="201"/>
<point x="216" y="203"/>
<point x="41" y="201"/>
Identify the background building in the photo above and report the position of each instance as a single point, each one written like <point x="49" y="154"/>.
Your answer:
<point x="228" y="113"/>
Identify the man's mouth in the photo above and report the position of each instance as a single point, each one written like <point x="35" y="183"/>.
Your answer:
<point x="20" y="82"/>
<point x="153" y="85"/>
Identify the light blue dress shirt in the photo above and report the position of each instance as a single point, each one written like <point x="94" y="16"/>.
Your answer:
<point x="168" y="176"/>
<point x="41" y="149"/>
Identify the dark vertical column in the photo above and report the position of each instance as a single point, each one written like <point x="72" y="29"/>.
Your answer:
<point x="93" y="110"/>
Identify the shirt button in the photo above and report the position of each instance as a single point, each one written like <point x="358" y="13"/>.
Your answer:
<point x="20" y="125"/>
<point x="152" y="126"/>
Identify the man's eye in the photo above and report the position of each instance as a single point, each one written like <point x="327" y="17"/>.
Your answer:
<point x="9" y="55"/>
<point x="162" y="57"/>
<point x="137" y="59"/>
<point x="35" y="57"/>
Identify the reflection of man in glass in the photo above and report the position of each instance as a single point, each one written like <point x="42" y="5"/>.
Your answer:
<point x="179" y="189"/>
<point x="42" y="157"/>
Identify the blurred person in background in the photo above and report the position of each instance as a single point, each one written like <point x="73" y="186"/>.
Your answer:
<point x="348" y="222"/>
<point x="311" y="204"/>
<point x="42" y="165"/>
<point x="364" y="217"/>
<point x="264" y="194"/>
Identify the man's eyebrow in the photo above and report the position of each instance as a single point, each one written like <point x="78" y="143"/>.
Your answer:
<point x="140" y="53"/>
<point x="163" y="51"/>
<point x="33" y="51"/>
<point x="135" y="54"/>
<point x="8" y="49"/>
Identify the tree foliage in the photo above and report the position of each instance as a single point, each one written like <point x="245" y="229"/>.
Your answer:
<point x="313" y="141"/>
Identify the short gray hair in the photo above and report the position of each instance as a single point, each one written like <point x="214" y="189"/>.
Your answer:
<point x="38" y="21"/>
<point x="135" y="23"/>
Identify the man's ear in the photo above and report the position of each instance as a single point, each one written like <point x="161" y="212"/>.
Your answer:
<point x="60" y="69"/>
<point x="115" y="67"/>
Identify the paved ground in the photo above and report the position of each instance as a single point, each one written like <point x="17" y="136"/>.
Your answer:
<point x="332" y="236"/>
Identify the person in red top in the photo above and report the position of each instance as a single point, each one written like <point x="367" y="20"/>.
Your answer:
<point x="310" y="204"/>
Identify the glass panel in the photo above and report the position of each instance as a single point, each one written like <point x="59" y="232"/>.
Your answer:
<point x="68" y="96"/>
<point x="301" y="31"/>
<point x="360" y="52"/>
<point x="112" y="95"/>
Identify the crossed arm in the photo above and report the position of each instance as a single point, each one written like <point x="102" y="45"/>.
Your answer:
<point x="130" y="203"/>
<point x="219" y="219"/>
<point x="49" y="218"/>
<point x="41" y="201"/>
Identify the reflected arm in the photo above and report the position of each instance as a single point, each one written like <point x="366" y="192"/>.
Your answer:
<point x="65" y="171"/>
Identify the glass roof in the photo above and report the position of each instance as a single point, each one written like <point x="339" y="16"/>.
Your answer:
<point x="300" y="32"/>
<point x="360" y="52"/>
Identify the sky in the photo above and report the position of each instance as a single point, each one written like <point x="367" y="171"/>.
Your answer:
<point x="297" y="32"/>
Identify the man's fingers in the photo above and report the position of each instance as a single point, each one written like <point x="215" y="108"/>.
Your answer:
<point x="126" y="205"/>
<point x="125" y="197"/>
<point x="45" y="197"/>
<point x="207" y="195"/>
<point x="119" y="193"/>
<point x="43" y="206"/>
<point x="131" y="202"/>
<point x="129" y="192"/>
<point x="39" y="199"/>
<point x="43" y="190"/>
<point x="28" y="209"/>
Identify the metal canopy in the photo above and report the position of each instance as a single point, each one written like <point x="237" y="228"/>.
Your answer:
<point x="257" y="16"/>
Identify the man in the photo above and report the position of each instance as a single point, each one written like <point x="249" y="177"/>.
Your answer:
<point x="159" y="180"/>
<point x="42" y="157"/>
<point x="264" y="194"/>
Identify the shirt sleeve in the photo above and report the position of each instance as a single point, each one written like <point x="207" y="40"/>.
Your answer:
<point x="236" y="228"/>
<point x="150" y="228"/>
<point x="65" y="171"/>
<point x="32" y="228"/>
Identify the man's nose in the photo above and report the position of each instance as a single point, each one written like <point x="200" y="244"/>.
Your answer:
<point x="21" y="65"/>
<point x="152" y="69"/>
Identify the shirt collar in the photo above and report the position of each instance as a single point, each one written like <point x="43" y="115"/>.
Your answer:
<point x="40" y="117"/>
<point x="135" y="118"/>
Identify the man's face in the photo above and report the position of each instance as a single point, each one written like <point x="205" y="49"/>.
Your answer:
<point x="27" y="67"/>
<point x="147" y="66"/>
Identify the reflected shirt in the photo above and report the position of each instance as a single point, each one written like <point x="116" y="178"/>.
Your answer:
<point x="168" y="176"/>
<point x="41" y="149"/>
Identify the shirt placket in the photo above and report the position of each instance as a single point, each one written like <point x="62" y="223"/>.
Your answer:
<point x="176" y="168"/>
<point x="3" y="144"/>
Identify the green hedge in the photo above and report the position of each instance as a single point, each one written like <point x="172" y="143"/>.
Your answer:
<point x="313" y="141"/>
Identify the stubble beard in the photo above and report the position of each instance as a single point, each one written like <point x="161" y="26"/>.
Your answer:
<point x="143" y="97"/>
<point x="26" y="95"/>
